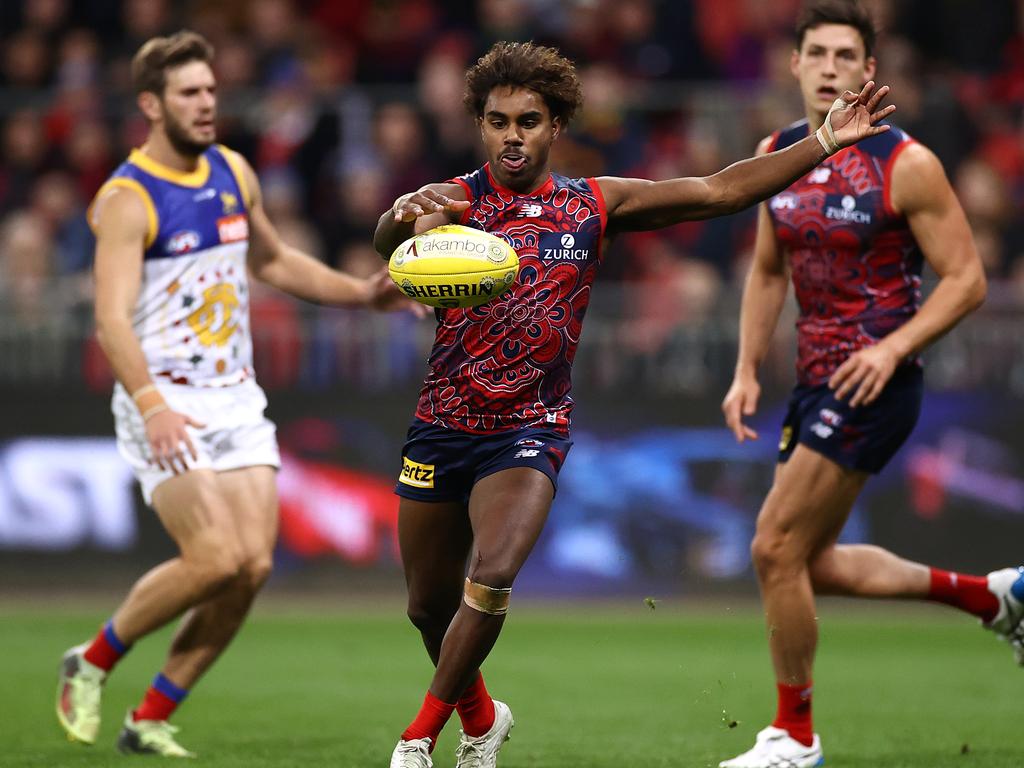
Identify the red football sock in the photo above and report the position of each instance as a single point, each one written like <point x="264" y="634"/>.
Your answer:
<point x="794" y="712"/>
<point x="160" y="701"/>
<point x="968" y="593"/>
<point x="428" y="723"/>
<point x="106" y="649"/>
<point x="476" y="708"/>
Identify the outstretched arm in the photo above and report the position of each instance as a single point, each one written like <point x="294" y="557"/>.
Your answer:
<point x="921" y="191"/>
<point x="278" y="264"/>
<point x="414" y="213"/>
<point x="638" y="204"/>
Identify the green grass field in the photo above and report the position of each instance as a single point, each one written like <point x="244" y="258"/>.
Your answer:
<point x="601" y="687"/>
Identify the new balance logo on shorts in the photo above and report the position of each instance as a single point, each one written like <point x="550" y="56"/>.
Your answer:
<point x="416" y="474"/>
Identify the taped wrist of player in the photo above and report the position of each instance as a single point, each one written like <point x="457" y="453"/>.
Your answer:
<point x="825" y="134"/>
<point x="492" y="600"/>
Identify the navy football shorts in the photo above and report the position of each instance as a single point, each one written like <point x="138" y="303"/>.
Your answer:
<point x="441" y="464"/>
<point x="864" y="438"/>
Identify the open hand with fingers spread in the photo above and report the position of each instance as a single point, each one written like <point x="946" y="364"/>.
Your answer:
<point x="424" y="202"/>
<point x="855" y="116"/>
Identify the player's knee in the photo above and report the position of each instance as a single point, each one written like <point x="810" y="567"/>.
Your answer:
<point x="255" y="571"/>
<point x="216" y="570"/>
<point x="430" y="616"/>
<point x="482" y="597"/>
<point x="773" y="553"/>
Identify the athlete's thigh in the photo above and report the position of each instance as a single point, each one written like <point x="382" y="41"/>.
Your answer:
<point x="811" y="498"/>
<point x="251" y="495"/>
<point x="195" y="513"/>
<point x="508" y="510"/>
<point x="434" y="538"/>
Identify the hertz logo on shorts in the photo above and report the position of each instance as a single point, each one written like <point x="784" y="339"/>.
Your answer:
<point x="415" y="474"/>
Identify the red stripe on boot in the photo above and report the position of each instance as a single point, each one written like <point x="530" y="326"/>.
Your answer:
<point x="968" y="593"/>
<point x="155" y="706"/>
<point x="431" y="719"/>
<point x="794" y="712"/>
<point x="476" y="708"/>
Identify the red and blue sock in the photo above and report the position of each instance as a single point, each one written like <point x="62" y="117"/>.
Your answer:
<point x="794" y="712"/>
<point x="106" y="649"/>
<point x="160" y="701"/>
<point x="968" y="593"/>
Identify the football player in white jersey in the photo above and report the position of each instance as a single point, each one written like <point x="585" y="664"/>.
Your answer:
<point x="178" y="226"/>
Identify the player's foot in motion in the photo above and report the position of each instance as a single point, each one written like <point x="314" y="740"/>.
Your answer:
<point x="1008" y="587"/>
<point x="414" y="753"/>
<point x="150" y="737"/>
<point x="482" y="751"/>
<point x="79" y="689"/>
<point x="775" y="748"/>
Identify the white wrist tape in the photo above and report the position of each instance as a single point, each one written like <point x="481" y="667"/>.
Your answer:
<point x="826" y="136"/>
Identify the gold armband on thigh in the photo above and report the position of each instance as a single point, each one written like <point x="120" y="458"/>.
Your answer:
<point x="486" y="599"/>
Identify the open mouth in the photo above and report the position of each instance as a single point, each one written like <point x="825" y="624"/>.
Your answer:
<point x="513" y="161"/>
<point x="828" y="92"/>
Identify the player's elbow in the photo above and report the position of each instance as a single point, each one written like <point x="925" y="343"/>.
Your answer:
<point x="977" y="290"/>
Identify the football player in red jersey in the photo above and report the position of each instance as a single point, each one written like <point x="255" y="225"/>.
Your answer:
<point x="491" y="430"/>
<point x="852" y="235"/>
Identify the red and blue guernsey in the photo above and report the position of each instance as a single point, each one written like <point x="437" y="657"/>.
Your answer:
<point x="855" y="264"/>
<point x="507" y="363"/>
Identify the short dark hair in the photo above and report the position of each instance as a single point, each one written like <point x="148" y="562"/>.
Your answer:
<point x="525" y="65"/>
<point x="158" y="54"/>
<point x="848" y="12"/>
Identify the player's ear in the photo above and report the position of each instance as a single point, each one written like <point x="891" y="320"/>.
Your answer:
<point x="870" y="67"/>
<point x="794" y="63"/>
<point x="556" y="127"/>
<point x="149" y="105"/>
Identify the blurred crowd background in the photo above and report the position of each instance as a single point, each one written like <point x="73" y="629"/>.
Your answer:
<point x="343" y="106"/>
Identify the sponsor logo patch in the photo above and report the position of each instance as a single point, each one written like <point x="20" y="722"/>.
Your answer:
<point x="415" y="474"/>
<point x="846" y="210"/>
<point x="786" y="438"/>
<point x="233" y="229"/>
<point x="529" y="442"/>
<point x="563" y="246"/>
<point x="530" y="210"/>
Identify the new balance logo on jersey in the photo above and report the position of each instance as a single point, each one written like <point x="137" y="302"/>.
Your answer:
<point x="819" y="176"/>
<point x="206" y="194"/>
<point x="784" y="202"/>
<point x="563" y="246"/>
<point x="530" y="210"/>
<point x="846" y="210"/>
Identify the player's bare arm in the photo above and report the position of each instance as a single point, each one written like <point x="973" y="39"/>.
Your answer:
<point x="764" y="294"/>
<point x="121" y="225"/>
<point x="639" y="204"/>
<point x="276" y="263"/>
<point x="416" y="212"/>
<point x="921" y="191"/>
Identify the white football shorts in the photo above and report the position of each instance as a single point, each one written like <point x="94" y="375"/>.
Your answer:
<point x="236" y="433"/>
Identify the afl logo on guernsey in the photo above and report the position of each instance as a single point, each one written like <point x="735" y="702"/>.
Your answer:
<point x="183" y="242"/>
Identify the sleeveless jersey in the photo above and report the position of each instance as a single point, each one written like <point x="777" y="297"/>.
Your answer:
<point x="507" y="363"/>
<point x="855" y="264"/>
<point x="192" y="313"/>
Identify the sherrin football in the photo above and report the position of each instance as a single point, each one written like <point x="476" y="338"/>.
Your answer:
<point x="454" y="266"/>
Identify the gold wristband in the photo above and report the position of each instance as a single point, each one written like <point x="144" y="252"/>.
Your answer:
<point x="150" y="412"/>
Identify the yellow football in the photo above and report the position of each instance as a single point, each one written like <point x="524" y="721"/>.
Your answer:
<point x="454" y="266"/>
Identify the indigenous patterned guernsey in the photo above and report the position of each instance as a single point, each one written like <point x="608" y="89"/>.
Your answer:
<point x="192" y="314"/>
<point x="507" y="363"/>
<point x="856" y="266"/>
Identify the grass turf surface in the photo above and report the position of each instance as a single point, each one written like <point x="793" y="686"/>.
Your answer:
<point x="599" y="686"/>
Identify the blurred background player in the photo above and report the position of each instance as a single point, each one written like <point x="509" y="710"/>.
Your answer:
<point x="491" y="431"/>
<point x="177" y="227"/>
<point x="853" y="234"/>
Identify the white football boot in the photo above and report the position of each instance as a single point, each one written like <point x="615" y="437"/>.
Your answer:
<point x="482" y="751"/>
<point x="775" y="748"/>
<point x="1008" y="587"/>
<point x="150" y="737"/>
<point x="79" y="689"/>
<point x="414" y="753"/>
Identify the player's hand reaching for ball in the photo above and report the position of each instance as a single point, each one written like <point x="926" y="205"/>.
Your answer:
<point x="385" y="296"/>
<point x="855" y="116"/>
<point x="864" y="374"/>
<point x="741" y="400"/>
<point x="169" y="442"/>
<point x="424" y="202"/>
